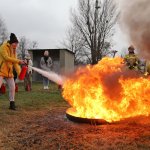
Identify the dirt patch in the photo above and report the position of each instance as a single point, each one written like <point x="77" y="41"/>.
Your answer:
<point x="51" y="130"/>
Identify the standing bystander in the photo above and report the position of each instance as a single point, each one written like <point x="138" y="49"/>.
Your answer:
<point x="28" y="76"/>
<point x="46" y="64"/>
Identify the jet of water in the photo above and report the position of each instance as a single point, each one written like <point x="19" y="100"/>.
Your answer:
<point x="50" y="75"/>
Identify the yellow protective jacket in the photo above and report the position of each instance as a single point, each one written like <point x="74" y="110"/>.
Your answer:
<point x="131" y="61"/>
<point x="8" y="60"/>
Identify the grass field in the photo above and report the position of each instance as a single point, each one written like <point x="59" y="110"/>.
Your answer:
<point x="36" y="99"/>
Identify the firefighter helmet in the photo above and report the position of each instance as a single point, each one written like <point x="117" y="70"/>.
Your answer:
<point x="131" y="48"/>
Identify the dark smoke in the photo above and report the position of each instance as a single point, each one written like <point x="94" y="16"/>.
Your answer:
<point x="135" y="18"/>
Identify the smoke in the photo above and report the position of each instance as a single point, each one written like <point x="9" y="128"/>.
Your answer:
<point x="135" y="23"/>
<point x="50" y="75"/>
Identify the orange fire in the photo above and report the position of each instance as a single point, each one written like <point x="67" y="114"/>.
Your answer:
<point x="107" y="90"/>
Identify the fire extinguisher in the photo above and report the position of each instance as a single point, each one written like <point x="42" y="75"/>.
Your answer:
<point x="3" y="89"/>
<point x="23" y="72"/>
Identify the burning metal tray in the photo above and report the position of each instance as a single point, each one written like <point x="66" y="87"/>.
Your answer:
<point x="86" y="120"/>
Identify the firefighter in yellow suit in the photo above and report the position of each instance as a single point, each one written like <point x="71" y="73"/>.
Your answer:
<point x="131" y="59"/>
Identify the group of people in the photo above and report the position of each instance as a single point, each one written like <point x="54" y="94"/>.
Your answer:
<point x="9" y="62"/>
<point x="133" y="62"/>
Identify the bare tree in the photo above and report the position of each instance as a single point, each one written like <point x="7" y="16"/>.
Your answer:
<point x="24" y="45"/>
<point x="93" y="25"/>
<point x="34" y="44"/>
<point x="3" y="31"/>
<point x="74" y="42"/>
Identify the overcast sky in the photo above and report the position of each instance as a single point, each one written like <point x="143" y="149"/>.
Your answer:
<point x="44" y="21"/>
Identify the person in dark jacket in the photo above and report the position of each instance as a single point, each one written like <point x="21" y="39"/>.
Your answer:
<point x="46" y="65"/>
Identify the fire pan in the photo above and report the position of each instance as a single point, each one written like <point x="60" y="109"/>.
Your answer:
<point x="86" y="120"/>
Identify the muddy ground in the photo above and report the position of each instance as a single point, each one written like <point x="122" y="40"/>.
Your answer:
<point x="51" y="130"/>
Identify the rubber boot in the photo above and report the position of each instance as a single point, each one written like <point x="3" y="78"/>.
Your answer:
<point x="12" y="105"/>
<point x="16" y="87"/>
<point x="28" y="88"/>
<point x="3" y="89"/>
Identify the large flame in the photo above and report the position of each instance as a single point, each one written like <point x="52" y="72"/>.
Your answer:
<point x="107" y="90"/>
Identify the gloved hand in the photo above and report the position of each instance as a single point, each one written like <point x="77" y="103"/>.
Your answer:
<point x="146" y="74"/>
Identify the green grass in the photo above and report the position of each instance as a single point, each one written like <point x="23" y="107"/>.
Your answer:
<point x="35" y="102"/>
<point x="35" y="99"/>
